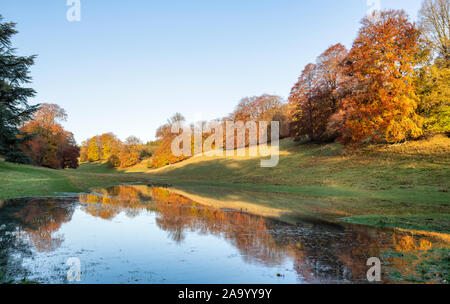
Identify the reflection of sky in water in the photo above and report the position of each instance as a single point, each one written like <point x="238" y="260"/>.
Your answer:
<point x="130" y="236"/>
<point x="136" y="250"/>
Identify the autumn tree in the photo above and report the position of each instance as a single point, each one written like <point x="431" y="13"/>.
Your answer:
<point x="314" y="98"/>
<point x="265" y="108"/>
<point x="14" y="107"/>
<point x="259" y="108"/>
<point x="332" y="87"/>
<point x="149" y="149"/>
<point x="71" y="154"/>
<point x="130" y="151"/>
<point x="110" y="145"/>
<point x="100" y="148"/>
<point x="48" y="144"/>
<point x="435" y="26"/>
<point x="114" y="161"/>
<point x="93" y="149"/>
<point x="331" y="75"/>
<point x="433" y="88"/>
<point x="433" y="76"/>
<point x="381" y="105"/>
<point x="304" y="97"/>
<point x="163" y="154"/>
<point x="111" y="150"/>
<point x="84" y="151"/>
<point x="49" y="116"/>
<point x="165" y="129"/>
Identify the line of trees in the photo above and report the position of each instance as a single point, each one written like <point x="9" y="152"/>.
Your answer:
<point x="256" y="108"/>
<point x="107" y="147"/>
<point x="391" y="86"/>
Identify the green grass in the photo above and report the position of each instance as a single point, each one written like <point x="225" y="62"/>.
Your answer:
<point x="96" y="167"/>
<point x="431" y="222"/>
<point x="404" y="185"/>
<point x="24" y="181"/>
<point x="420" y="266"/>
<point x="393" y="169"/>
<point x="20" y="180"/>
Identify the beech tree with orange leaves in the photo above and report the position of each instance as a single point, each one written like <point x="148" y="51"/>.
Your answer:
<point x="50" y="145"/>
<point x="304" y="97"/>
<point x="381" y="104"/>
<point x="314" y="98"/>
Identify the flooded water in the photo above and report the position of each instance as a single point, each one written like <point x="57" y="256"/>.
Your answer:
<point x="140" y="234"/>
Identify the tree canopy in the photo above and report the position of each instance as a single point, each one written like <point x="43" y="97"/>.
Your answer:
<point x="435" y="26"/>
<point x="14" y="107"/>
<point x="47" y="143"/>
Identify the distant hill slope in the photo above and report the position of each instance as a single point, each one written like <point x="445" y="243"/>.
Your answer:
<point x="424" y="163"/>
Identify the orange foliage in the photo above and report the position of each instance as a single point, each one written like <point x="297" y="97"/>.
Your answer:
<point x="50" y="145"/>
<point x="107" y="147"/>
<point x="315" y="96"/>
<point x="381" y="102"/>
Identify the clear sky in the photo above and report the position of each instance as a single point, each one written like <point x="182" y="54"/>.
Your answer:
<point x="127" y="66"/>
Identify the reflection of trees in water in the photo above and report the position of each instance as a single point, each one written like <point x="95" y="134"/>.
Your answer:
<point x="333" y="253"/>
<point x="176" y="214"/>
<point x="29" y="222"/>
<point x="320" y="252"/>
<point x="107" y="204"/>
<point x="250" y="234"/>
<point x="42" y="218"/>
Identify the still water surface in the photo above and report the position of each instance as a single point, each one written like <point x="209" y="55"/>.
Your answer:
<point x="137" y="234"/>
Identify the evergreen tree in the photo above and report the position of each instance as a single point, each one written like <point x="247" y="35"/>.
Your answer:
<point x="14" y="107"/>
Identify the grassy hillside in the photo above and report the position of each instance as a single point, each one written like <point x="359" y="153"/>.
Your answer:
<point x="404" y="185"/>
<point x="415" y="165"/>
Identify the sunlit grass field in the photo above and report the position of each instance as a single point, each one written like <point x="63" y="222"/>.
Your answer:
<point x="423" y="165"/>
<point x="24" y="181"/>
<point x="404" y="185"/>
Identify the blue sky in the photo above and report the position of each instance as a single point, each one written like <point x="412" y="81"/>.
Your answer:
<point x="129" y="65"/>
